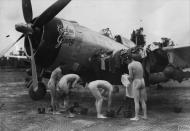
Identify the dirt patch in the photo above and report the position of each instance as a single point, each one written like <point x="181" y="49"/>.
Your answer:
<point x="19" y="112"/>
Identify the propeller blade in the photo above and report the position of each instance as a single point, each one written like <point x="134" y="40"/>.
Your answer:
<point x="51" y="12"/>
<point x="27" y="10"/>
<point x="33" y="64"/>
<point x="10" y="46"/>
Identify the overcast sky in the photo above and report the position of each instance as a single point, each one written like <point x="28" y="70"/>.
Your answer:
<point x="159" y="18"/>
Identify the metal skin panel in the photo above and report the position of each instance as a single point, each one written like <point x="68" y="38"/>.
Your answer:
<point x="179" y="56"/>
<point x="63" y="42"/>
<point x="79" y="43"/>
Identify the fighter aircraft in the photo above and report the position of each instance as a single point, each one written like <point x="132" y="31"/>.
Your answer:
<point x="51" y="41"/>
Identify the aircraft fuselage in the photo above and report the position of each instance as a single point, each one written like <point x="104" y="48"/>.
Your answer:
<point x="64" y="42"/>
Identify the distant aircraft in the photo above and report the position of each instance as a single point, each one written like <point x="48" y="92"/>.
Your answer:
<point x="50" y="42"/>
<point x="17" y="57"/>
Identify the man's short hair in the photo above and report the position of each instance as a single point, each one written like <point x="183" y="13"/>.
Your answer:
<point x="115" y="89"/>
<point x="62" y="68"/>
<point x="82" y="82"/>
<point x="126" y="55"/>
<point x="129" y="55"/>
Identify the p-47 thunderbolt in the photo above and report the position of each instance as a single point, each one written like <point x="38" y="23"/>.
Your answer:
<point x="51" y="42"/>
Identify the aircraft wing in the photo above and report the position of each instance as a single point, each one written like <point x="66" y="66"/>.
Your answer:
<point x="126" y="42"/>
<point x="179" y="55"/>
<point x="24" y="58"/>
<point x="18" y="57"/>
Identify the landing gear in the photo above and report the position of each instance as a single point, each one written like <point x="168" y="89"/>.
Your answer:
<point x="39" y="93"/>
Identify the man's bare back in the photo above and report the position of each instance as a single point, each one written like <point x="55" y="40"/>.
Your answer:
<point x="135" y="70"/>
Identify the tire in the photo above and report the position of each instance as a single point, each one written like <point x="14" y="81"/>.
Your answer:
<point x="39" y="94"/>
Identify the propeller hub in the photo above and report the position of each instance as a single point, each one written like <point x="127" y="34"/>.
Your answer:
<point x="24" y="28"/>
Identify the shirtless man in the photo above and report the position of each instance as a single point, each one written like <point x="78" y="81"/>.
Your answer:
<point x="136" y="77"/>
<point x="102" y="90"/>
<point x="52" y="83"/>
<point x="66" y="83"/>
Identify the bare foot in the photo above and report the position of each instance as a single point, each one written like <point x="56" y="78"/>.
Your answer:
<point x="144" y="117"/>
<point x="62" y="106"/>
<point x="71" y="115"/>
<point x="63" y="109"/>
<point x="56" y="113"/>
<point x="101" y="116"/>
<point x="134" y="119"/>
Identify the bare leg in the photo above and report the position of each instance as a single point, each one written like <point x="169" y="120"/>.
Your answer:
<point x="143" y="102"/>
<point x="52" y="93"/>
<point x="66" y="106"/>
<point x="98" y="103"/>
<point x="65" y="93"/>
<point x="99" y="108"/>
<point x="66" y="101"/>
<point x="54" y="102"/>
<point x="136" y="101"/>
<point x="144" y="110"/>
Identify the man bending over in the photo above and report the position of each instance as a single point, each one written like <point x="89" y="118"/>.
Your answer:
<point x="66" y="83"/>
<point x="102" y="90"/>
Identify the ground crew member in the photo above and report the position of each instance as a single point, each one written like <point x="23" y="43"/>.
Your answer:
<point x="66" y="83"/>
<point x="102" y="90"/>
<point x="52" y="83"/>
<point x="136" y="78"/>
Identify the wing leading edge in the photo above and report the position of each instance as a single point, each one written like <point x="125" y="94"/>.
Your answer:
<point x="179" y="55"/>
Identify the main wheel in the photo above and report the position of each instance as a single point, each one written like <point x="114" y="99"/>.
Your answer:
<point x="40" y="93"/>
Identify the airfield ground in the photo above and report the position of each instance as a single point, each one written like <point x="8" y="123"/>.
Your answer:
<point x="19" y="112"/>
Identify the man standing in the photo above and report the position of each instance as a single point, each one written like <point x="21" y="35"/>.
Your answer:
<point x="102" y="90"/>
<point x="136" y="78"/>
<point x="52" y="84"/>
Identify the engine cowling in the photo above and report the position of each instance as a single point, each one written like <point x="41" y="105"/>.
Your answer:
<point x="44" y="42"/>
